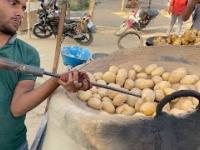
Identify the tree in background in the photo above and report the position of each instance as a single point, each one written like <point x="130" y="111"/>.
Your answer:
<point x="79" y="4"/>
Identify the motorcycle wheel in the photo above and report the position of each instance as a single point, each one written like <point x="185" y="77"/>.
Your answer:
<point x="41" y="31"/>
<point x="122" y="29"/>
<point x="86" y="39"/>
<point x="129" y="40"/>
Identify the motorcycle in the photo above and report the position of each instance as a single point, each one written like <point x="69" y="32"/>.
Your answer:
<point x="137" y="20"/>
<point x="81" y="30"/>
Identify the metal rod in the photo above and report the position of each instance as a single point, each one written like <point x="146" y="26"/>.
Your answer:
<point x="114" y="89"/>
<point x="52" y="74"/>
<point x="10" y="65"/>
<point x="98" y="85"/>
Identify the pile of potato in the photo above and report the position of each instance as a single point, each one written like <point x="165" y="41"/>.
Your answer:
<point x="190" y="37"/>
<point x="153" y="83"/>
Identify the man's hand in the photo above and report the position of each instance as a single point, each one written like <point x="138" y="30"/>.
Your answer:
<point x="74" y="80"/>
<point x="188" y="12"/>
<point x="169" y="10"/>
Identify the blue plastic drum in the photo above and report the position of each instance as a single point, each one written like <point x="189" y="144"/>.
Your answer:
<point x="75" y="55"/>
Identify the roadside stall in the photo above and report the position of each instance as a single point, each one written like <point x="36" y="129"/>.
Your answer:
<point x="75" y="124"/>
<point x="189" y="37"/>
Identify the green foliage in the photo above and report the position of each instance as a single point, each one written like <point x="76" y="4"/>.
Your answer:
<point x="79" y="4"/>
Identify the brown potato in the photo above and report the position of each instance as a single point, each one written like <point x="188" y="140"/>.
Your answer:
<point x="159" y="95"/>
<point x="113" y="69"/>
<point x="174" y="37"/>
<point x="119" y="99"/>
<point x="185" y="104"/>
<point x="102" y="92"/>
<point x="94" y="90"/>
<point x="109" y="77"/>
<point x="129" y="84"/>
<point x="108" y="106"/>
<point x="144" y="83"/>
<point x="184" y="41"/>
<point x="148" y="95"/>
<point x="102" y="82"/>
<point x="107" y="99"/>
<point x="162" y="85"/>
<point x="158" y="71"/>
<point x="166" y="108"/>
<point x="156" y="79"/>
<point x="132" y="74"/>
<point x="138" y="104"/>
<point x="195" y="101"/>
<point x="177" y="112"/>
<point x="177" y="75"/>
<point x="178" y="41"/>
<point x="131" y="100"/>
<point x="197" y="43"/>
<point x="139" y="114"/>
<point x="96" y="96"/>
<point x="165" y="76"/>
<point x="121" y="77"/>
<point x="136" y="91"/>
<point x="142" y="75"/>
<point x="111" y="93"/>
<point x="84" y="95"/>
<point x="150" y="68"/>
<point x="160" y="41"/>
<point x="189" y="79"/>
<point x="91" y="77"/>
<point x="137" y="68"/>
<point x="191" y="87"/>
<point x="148" y="108"/>
<point x="125" y="110"/>
<point x="175" y="86"/>
<point x="183" y="87"/>
<point x="95" y="103"/>
<point x="98" y="75"/>
<point x="168" y="91"/>
<point x="197" y="40"/>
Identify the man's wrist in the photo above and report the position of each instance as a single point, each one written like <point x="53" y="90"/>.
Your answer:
<point x="55" y="81"/>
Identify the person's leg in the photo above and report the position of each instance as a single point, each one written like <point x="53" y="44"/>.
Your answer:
<point x="173" y="21"/>
<point x="180" y="23"/>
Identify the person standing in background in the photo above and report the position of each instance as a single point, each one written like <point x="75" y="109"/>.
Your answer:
<point x="193" y="7"/>
<point x="176" y="9"/>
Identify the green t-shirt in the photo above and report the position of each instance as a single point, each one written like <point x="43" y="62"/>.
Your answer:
<point x="12" y="129"/>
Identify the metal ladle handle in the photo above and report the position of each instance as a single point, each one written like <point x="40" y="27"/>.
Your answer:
<point x="177" y="94"/>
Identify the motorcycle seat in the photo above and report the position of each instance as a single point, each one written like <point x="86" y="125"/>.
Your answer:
<point x="70" y="21"/>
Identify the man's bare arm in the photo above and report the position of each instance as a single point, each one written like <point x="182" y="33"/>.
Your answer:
<point x="187" y="13"/>
<point x="25" y="98"/>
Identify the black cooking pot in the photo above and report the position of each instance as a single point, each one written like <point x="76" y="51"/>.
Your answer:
<point x="149" y="41"/>
<point x="163" y="132"/>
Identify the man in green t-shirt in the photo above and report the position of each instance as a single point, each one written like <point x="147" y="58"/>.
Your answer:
<point x="17" y="95"/>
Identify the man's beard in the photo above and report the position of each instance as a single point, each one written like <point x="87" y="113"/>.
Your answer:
<point x="7" y="30"/>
